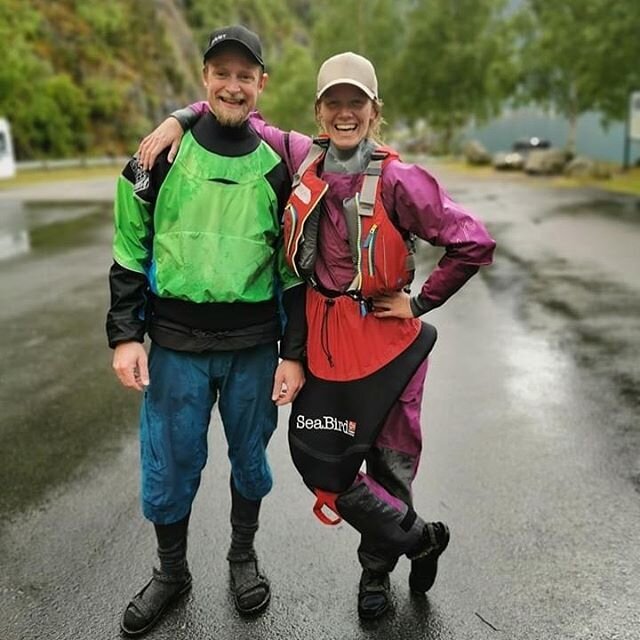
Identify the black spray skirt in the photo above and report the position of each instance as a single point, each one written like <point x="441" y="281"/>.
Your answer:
<point x="334" y="424"/>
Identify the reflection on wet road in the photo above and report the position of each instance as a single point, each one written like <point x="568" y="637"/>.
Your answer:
<point x="14" y="235"/>
<point x="568" y="266"/>
<point x="41" y="226"/>
<point x="60" y="407"/>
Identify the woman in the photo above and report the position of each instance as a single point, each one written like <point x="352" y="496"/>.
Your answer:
<point x="348" y="230"/>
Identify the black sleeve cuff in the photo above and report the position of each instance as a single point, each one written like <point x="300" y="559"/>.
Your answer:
<point x="420" y="305"/>
<point x="126" y="317"/>
<point x="294" y="340"/>
<point x="186" y="117"/>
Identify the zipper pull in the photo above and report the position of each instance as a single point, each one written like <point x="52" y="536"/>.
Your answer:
<point x="370" y="235"/>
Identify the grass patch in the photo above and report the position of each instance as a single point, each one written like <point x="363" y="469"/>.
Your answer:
<point x="624" y="182"/>
<point x="619" y="182"/>
<point x="32" y="176"/>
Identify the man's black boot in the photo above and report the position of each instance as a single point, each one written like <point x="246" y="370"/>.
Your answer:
<point x="250" y="587"/>
<point x="167" y="584"/>
<point x="424" y="562"/>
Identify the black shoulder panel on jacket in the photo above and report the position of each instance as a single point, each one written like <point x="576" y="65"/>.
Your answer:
<point x="146" y="184"/>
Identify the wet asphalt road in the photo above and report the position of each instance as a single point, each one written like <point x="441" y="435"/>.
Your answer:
<point x="532" y="443"/>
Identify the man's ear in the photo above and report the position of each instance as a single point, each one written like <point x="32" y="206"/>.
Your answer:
<point x="204" y="75"/>
<point x="263" y="82"/>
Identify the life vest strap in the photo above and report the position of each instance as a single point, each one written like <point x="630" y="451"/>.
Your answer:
<point x="353" y="292"/>
<point x="315" y="153"/>
<point x="372" y="175"/>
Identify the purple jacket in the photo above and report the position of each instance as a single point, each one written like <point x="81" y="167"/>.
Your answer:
<point x="416" y="202"/>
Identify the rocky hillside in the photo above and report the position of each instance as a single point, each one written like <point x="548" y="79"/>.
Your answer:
<point x="91" y="77"/>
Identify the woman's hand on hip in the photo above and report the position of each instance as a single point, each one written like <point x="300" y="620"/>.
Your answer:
<point x="392" y="305"/>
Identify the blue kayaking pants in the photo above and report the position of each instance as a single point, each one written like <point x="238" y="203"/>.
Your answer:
<point x="175" y="416"/>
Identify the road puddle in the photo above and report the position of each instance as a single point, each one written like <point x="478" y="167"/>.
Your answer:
<point x="47" y="226"/>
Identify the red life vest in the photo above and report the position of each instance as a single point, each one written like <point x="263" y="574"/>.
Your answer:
<point x="382" y="258"/>
<point x="345" y="342"/>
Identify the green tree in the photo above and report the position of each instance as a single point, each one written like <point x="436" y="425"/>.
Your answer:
<point x="21" y="72"/>
<point x="288" y="98"/>
<point x="617" y="63"/>
<point x="580" y="55"/>
<point x="59" y="114"/>
<point x="457" y="64"/>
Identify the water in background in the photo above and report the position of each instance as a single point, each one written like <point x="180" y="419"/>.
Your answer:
<point x="592" y="139"/>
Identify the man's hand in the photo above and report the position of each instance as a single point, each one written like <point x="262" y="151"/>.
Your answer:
<point x="167" y="133"/>
<point x="130" y="365"/>
<point x="393" y="305"/>
<point x="287" y="382"/>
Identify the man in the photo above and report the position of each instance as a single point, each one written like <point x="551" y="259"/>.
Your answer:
<point x="198" y="266"/>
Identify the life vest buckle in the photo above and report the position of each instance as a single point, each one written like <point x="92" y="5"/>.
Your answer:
<point x="379" y="154"/>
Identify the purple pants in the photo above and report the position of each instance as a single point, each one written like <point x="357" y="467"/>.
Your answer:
<point x="379" y="504"/>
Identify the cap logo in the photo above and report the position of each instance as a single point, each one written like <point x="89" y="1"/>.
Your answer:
<point x="222" y="36"/>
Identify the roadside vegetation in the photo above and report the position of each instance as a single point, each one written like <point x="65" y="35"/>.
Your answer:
<point x="619" y="182"/>
<point x="34" y="176"/>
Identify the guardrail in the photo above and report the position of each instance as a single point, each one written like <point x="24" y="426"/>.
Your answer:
<point x="69" y="163"/>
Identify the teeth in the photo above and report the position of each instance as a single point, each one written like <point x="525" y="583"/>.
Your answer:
<point x="346" y="127"/>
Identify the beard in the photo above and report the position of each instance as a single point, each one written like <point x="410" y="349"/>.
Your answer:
<point x="228" y="117"/>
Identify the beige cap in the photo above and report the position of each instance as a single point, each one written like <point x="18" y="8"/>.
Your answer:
<point x="348" y="68"/>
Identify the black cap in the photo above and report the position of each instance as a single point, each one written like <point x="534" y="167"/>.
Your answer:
<point x="235" y="33"/>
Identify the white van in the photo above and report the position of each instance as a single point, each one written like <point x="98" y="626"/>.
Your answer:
<point x="7" y="159"/>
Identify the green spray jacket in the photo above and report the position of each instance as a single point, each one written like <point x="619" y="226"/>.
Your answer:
<point x="214" y="232"/>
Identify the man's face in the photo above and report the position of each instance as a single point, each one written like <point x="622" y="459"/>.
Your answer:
<point x="345" y="114"/>
<point x="233" y="81"/>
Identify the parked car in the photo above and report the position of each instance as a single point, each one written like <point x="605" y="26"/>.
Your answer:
<point x="516" y="158"/>
<point x="524" y="145"/>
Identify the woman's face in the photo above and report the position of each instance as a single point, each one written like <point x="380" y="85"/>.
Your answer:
<point x="345" y="114"/>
